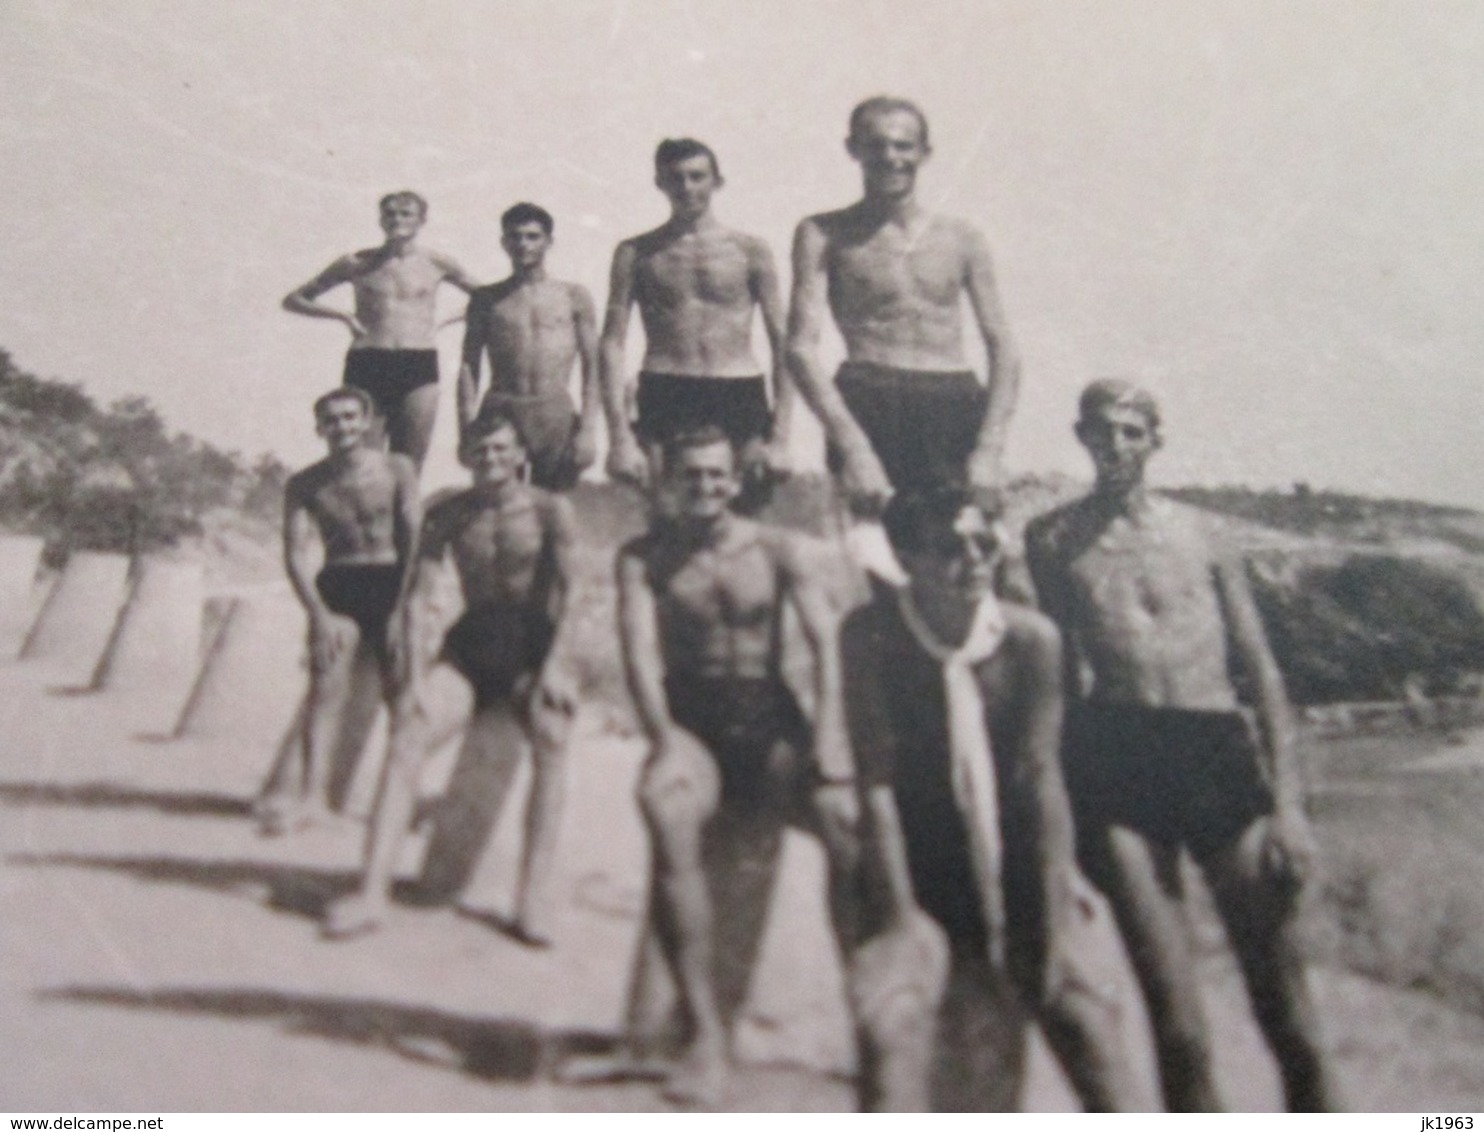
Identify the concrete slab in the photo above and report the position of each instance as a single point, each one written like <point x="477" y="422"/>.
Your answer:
<point x="74" y="625"/>
<point x="153" y="655"/>
<point x="253" y="675"/>
<point x="20" y="555"/>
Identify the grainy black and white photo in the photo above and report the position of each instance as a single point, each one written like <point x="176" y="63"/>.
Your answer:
<point x="646" y="555"/>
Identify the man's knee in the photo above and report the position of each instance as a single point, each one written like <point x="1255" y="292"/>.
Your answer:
<point x="673" y="797"/>
<point x="896" y="981"/>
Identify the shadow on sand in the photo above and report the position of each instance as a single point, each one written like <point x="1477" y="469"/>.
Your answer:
<point x="107" y="795"/>
<point x="290" y="888"/>
<point x="497" y="1048"/>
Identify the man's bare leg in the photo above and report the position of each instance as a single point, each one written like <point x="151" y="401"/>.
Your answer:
<point x="465" y="816"/>
<point x="410" y="431"/>
<point x="1261" y="922"/>
<point x="364" y="697"/>
<point x="1144" y="888"/>
<point x="1083" y="1025"/>
<point x="551" y="726"/>
<point x="324" y="704"/>
<point x="426" y="716"/>
<point x="678" y="794"/>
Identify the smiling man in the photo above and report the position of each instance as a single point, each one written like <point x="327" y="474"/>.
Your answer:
<point x="533" y="328"/>
<point x="905" y="412"/>
<point x="696" y="284"/>
<point x="511" y="544"/>
<point x="360" y="505"/>
<point x="392" y="354"/>
<point x="1162" y="757"/>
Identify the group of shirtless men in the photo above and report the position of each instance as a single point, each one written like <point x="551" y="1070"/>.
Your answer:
<point x="967" y="760"/>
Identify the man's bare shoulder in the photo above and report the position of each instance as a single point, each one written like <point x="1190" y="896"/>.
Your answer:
<point x="1052" y="534"/>
<point x="491" y="295"/>
<point x="306" y="481"/>
<point x="443" y="261"/>
<point x="645" y="244"/>
<point x="446" y="507"/>
<point x="1032" y="634"/>
<point x="1186" y="527"/>
<point x="555" y="510"/>
<point x="578" y="295"/>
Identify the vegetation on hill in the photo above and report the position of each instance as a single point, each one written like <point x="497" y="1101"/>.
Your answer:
<point x="90" y="478"/>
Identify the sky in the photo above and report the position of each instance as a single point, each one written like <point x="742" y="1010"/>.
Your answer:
<point x="1267" y="212"/>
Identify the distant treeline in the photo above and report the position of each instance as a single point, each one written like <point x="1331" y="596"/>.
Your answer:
<point x="90" y="478"/>
<point x="1333" y="513"/>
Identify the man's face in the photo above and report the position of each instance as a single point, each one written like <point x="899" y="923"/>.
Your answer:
<point x="889" y="148"/>
<point x="689" y="184"/>
<point x="1120" y="439"/>
<point x="959" y="560"/>
<point x="705" y="480"/>
<point x="495" y="458"/>
<point x="401" y="219"/>
<point x="343" y="423"/>
<point x="526" y="244"/>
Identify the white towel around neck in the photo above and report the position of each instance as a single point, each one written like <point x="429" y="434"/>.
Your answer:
<point x="970" y="759"/>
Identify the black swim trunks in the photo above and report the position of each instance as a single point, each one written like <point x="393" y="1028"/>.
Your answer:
<point x="1179" y="777"/>
<point x="548" y="424"/>
<point x="387" y="376"/>
<point x="366" y="593"/>
<point x="673" y="403"/>
<point x="923" y="425"/>
<point x="756" y="732"/>
<point x="494" y="644"/>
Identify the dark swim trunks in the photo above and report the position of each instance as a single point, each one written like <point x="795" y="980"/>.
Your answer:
<point x="1179" y="777"/>
<point x="670" y="404"/>
<point x="756" y="732"/>
<point x="548" y="424"/>
<point x="366" y="593"/>
<point x="923" y="425"/>
<point x="494" y="644"/>
<point x="387" y="376"/>
<point x="673" y="403"/>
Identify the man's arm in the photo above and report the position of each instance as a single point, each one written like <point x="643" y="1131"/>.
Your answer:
<point x="559" y="525"/>
<point x="585" y="328"/>
<point x="1002" y="363"/>
<point x="1037" y="747"/>
<point x="303" y="299"/>
<point x="328" y="634"/>
<point x="821" y="627"/>
<point x="625" y="461"/>
<point x="644" y="663"/>
<point x="1048" y="578"/>
<point x="863" y="478"/>
<point x="476" y="335"/>
<point x="420" y="637"/>
<point x="763" y="282"/>
<point x="1275" y="717"/>
<point x="454" y="273"/>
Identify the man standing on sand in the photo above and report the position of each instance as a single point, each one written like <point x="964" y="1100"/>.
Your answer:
<point x="533" y="328"/>
<point x="512" y="546"/>
<point x="1161" y="756"/>
<point x="363" y="505"/>
<point x="696" y="284"/>
<point x="955" y="707"/>
<point x="732" y="760"/>
<point x="905" y="412"/>
<point x="392" y="354"/>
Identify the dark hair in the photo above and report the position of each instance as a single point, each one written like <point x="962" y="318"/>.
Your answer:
<point x="1111" y="391"/>
<point x="487" y="422"/>
<point x="344" y="393"/>
<point x="914" y="521"/>
<point x="702" y="436"/>
<point x="405" y="195"/>
<point x="527" y="213"/>
<point x="671" y="150"/>
<point x="886" y="104"/>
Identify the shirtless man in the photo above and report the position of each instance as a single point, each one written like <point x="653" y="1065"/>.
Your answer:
<point x="1160" y="755"/>
<point x="361" y="505"/>
<point x="533" y="328"/>
<point x="696" y="284"/>
<point x="954" y="706"/>
<point x="732" y="761"/>
<point x="904" y="412"/>
<point x="392" y="354"/>
<point x="511" y="544"/>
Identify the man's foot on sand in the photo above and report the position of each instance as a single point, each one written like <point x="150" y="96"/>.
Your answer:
<point x="353" y="916"/>
<point x="612" y="1069"/>
<point x="280" y="816"/>
<point x="699" y="1080"/>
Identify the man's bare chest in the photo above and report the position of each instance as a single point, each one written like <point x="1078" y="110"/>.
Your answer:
<point x="713" y="272"/>
<point x="523" y="316"/>
<point x="893" y="267"/>
<point x="735" y="591"/>
<point x="358" y="498"/>
<point x="399" y="280"/>
<point x="1144" y="578"/>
